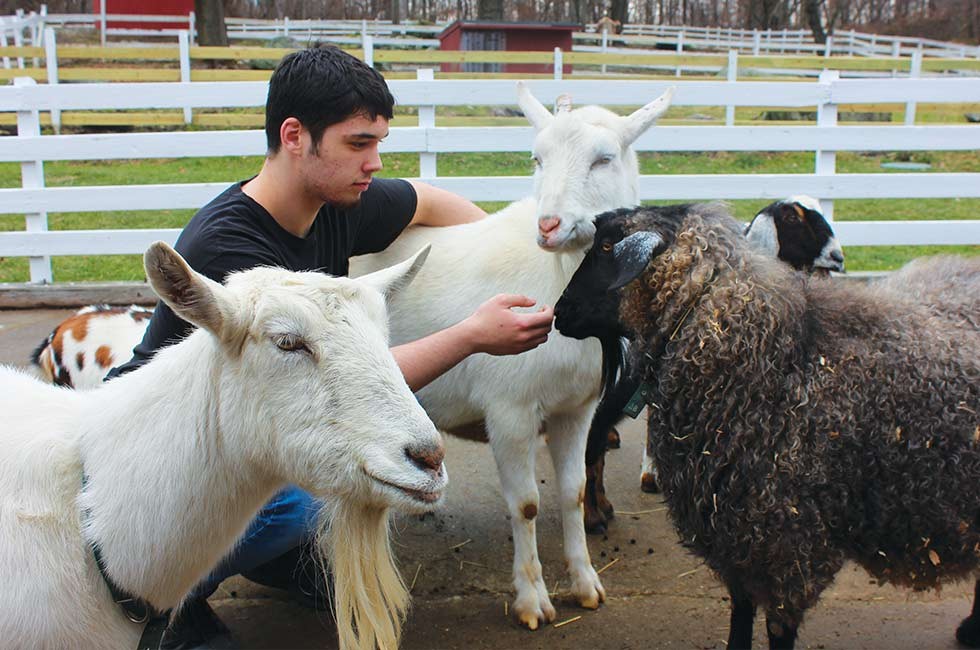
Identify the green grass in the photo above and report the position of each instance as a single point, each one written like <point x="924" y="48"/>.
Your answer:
<point x="198" y="170"/>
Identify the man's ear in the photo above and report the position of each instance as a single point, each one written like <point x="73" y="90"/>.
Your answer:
<point x="291" y="135"/>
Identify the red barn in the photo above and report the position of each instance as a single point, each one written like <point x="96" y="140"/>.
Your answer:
<point x="143" y="8"/>
<point x="510" y="37"/>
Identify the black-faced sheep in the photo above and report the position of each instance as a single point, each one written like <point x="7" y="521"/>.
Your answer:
<point x="792" y="230"/>
<point x="796" y="422"/>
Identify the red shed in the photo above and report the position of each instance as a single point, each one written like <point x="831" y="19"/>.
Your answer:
<point x="144" y="8"/>
<point x="511" y="37"/>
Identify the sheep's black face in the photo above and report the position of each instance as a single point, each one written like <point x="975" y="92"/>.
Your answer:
<point x="798" y="234"/>
<point x="589" y="306"/>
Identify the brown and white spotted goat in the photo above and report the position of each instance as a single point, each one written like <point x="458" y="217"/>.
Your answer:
<point x="85" y="346"/>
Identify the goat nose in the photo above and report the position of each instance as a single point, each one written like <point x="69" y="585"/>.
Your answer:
<point x="426" y="458"/>
<point x="837" y="256"/>
<point x="547" y="225"/>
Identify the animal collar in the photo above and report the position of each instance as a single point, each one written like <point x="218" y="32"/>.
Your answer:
<point x="134" y="608"/>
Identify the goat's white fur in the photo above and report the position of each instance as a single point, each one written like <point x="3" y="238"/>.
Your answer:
<point x="584" y="166"/>
<point x="180" y="454"/>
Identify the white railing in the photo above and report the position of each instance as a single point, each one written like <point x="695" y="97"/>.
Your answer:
<point x="409" y="33"/>
<point x="35" y="200"/>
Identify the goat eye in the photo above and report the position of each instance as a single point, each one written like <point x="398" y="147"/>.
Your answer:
<point x="290" y="343"/>
<point x="606" y="247"/>
<point x="602" y="160"/>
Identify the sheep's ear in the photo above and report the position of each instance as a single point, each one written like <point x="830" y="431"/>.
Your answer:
<point x="393" y="279"/>
<point x="633" y="254"/>
<point x="534" y="111"/>
<point x="641" y="120"/>
<point x="194" y="297"/>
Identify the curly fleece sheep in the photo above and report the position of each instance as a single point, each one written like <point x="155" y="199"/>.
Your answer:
<point x="796" y="422"/>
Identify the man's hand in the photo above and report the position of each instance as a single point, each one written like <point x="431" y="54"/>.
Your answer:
<point x="495" y="329"/>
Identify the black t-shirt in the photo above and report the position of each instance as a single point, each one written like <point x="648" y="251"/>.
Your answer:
<point x="233" y="233"/>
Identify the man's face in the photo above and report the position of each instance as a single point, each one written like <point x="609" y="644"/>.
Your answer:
<point x="339" y="169"/>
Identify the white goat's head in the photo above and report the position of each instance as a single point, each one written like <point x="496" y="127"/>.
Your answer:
<point x="305" y="381"/>
<point x="583" y="164"/>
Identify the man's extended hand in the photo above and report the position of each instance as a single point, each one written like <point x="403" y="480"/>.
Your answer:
<point x="496" y="329"/>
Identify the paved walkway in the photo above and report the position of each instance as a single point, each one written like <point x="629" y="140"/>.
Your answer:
<point x="658" y="595"/>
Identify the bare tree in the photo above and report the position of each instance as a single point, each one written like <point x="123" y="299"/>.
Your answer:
<point x="210" y="15"/>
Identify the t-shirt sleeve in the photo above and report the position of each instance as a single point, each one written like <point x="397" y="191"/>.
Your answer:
<point x="386" y="209"/>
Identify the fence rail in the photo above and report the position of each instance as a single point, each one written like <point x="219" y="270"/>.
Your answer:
<point x="31" y="149"/>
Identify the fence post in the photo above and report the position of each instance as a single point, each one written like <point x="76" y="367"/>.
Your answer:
<point x="558" y="64"/>
<point x="35" y="36"/>
<point x="829" y="45"/>
<point x="368" y="44"/>
<point x="3" y="40"/>
<point x="732" y="77"/>
<point x="915" y="71"/>
<point x="605" y="44"/>
<point x="680" y="50"/>
<point x="427" y="120"/>
<point x="32" y="177"/>
<point x="184" y="45"/>
<point x="51" y="63"/>
<point x="192" y="26"/>
<point x="826" y="161"/>
<point x="19" y="36"/>
<point x="102" y="21"/>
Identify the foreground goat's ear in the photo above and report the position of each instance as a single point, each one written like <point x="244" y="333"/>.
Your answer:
<point x="633" y="254"/>
<point x="393" y="279"/>
<point x="193" y="297"/>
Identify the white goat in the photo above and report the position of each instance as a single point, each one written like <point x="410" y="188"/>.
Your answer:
<point x="583" y="166"/>
<point x="179" y="455"/>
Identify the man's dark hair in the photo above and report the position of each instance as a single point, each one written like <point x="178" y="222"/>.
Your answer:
<point x="320" y="86"/>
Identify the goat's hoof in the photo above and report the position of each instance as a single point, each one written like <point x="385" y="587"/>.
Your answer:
<point x="534" y="615"/>
<point x="587" y="588"/>
<point x="968" y="633"/>
<point x="648" y="483"/>
<point x="596" y="525"/>
<point x="613" y="440"/>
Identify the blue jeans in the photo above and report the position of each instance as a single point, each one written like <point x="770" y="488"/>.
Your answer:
<point x="286" y="521"/>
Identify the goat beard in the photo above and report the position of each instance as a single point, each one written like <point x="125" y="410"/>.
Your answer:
<point x="369" y="597"/>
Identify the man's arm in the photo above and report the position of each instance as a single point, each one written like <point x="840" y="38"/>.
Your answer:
<point x="493" y="328"/>
<point x="438" y="207"/>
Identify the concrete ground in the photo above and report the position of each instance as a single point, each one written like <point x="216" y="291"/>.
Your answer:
<point x="458" y="561"/>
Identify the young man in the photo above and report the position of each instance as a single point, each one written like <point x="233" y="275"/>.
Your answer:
<point x="313" y="205"/>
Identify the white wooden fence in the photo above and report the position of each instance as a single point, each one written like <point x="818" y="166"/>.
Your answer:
<point x="411" y="34"/>
<point x="35" y="200"/>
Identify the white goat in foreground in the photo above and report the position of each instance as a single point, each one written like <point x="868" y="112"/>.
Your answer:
<point x="288" y="379"/>
<point x="583" y="166"/>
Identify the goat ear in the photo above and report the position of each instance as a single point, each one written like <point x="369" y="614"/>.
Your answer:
<point x="393" y="279"/>
<point x="564" y="103"/>
<point x="534" y="111"/>
<point x="193" y="297"/>
<point x="642" y="119"/>
<point x="633" y="254"/>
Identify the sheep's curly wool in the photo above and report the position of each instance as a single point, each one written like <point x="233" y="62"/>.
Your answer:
<point x="947" y="285"/>
<point x="799" y="422"/>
